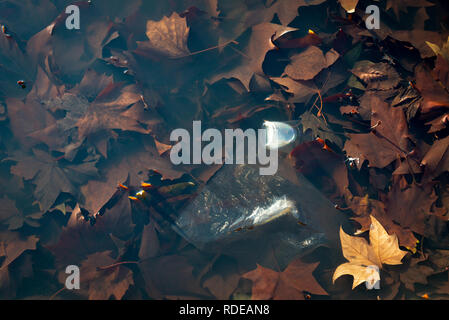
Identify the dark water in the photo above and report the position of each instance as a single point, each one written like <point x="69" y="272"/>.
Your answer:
<point x="84" y="110"/>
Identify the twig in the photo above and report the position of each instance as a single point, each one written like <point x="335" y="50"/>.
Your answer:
<point x="114" y="265"/>
<point x="208" y="49"/>
<point x="56" y="293"/>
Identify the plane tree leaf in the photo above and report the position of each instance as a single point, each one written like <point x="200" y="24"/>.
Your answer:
<point x="50" y="176"/>
<point x="362" y="256"/>
<point x="289" y="284"/>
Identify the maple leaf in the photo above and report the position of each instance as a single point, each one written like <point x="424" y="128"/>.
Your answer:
<point x="364" y="208"/>
<point x="104" y="284"/>
<point x="58" y="134"/>
<point x="12" y="245"/>
<point x="77" y="240"/>
<point x="260" y="42"/>
<point x="224" y="279"/>
<point x="167" y="37"/>
<point x="410" y="205"/>
<point x="289" y="284"/>
<point x="50" y="176"/>
<point x="141" y="157"/>
<point x="14" y="218"/>
<point x="307" y="64"/>
<point x="239" y="16"/>
<point x="418" y="39"/>
<point x="30" y="116"/>
<point x="55" y="42"/>
<point x="301" y="91"/>
<point x="382" y="249"/>
<point x="319" y="128"/>
<point x="416" y="272"/>
<point x="116" y="107"/>
<point x="436" y="160"/>
<point x="170" y="276"/>
<point x="390" y="140"/>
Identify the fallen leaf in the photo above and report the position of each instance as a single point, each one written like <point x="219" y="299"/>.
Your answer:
<point x="51" y="177"/>
<point x="390" y="140"/>
<point x="307" y="64"/>
<point x="364" y="208"/>
<point x="260" y="42"/>
<point x="104" y="284"/>
<point x="382" y="249"/>
<point x="167" y="37"/>
<point x="289" y="284"/>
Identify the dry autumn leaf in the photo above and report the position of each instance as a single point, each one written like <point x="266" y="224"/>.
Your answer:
<point x="362" y="256"/>
<point x="308" y="64"/>
<point x="167" y="37"/>
<point x="289" y="284"/>
<point x="261" y="41"/>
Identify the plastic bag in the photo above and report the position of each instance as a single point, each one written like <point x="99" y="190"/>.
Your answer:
<point x="240" y="206"/>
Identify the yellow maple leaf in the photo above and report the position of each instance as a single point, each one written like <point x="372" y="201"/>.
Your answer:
<point x="365" y="259"/>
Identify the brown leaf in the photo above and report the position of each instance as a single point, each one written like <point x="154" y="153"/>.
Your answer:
<point x="171" y="276"/>
<point x="167" y="37"/>
<point x="138" y="161"/>
<point x="289" y="284"/>
<point x="301" y="91"/>
<point x="12" y="245"/>
<point x="104" y="284"/>
<point x="436" y="98"/>
<point x="415" y="273"/>
<point x="307" y="64"/>
<point x="77" y="240"/>
<point x="52" y="177"/>
<point x="410" y="205"/>
<point x="436" y="160"/>
<point x="254" y="53"/>
<point x="55" y="42"/>
<point x="389" y="141"/>
<point x="110" y="110"/>
<point x="30" y="115"/>
<point x="14" y="218"/>
<point x="364" y="207"/>
<point x="224" y="279"/>
<point x="319" y="128"/>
